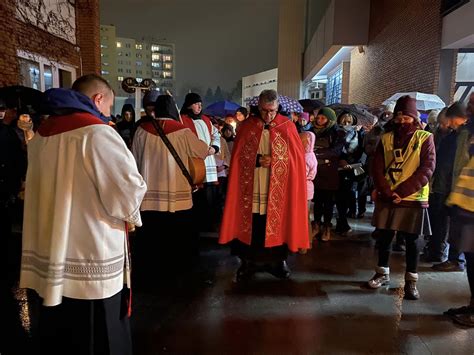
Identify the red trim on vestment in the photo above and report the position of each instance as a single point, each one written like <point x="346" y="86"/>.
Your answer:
<point x="169" y="126"/>
<point x="59" y="124"/>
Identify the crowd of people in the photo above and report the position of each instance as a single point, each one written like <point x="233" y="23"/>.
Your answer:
<point x="175" y="173"/>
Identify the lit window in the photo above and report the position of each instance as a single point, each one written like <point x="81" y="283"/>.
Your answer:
<point x="139" y="63"/>
<point x="104" y="72"/>
<point x="104" y="46"/>
<point x="155" y="57"/>
<point x="156" y="65"/>
<point x="167" y="58"/>
<point x="105" y="64"/>
<point x="168" y="66"/>
<point x="155" y="48"/>
<point x="120" y="78"/>
<point x="119" y="44"/>
<point x="138" y="46"/>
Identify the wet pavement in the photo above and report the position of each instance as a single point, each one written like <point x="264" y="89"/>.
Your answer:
<point x="324" y="307"/>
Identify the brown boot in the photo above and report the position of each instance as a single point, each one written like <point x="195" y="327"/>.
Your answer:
<point x="411" y="292"/>
<point x="326" y="234"/>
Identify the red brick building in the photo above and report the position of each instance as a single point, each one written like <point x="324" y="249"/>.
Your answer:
<point x="365" y="51"/>
<point x="51" y="47"/>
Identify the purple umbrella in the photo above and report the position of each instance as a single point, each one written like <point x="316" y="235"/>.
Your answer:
<point x="288" y="104"/>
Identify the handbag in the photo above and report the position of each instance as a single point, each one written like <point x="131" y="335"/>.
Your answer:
<point x="197" y="167"/>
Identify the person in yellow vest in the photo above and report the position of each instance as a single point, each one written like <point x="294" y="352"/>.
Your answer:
<point x="461" y="201"/>
<point x="403" y="165"/>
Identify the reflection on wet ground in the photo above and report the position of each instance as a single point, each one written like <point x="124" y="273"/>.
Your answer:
<point x="323" y="308"/>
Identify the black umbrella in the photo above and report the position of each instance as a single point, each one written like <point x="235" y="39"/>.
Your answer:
<point x="360" y="112"/>
<point x="22" y="98"/>
<point x="309" y="105"/>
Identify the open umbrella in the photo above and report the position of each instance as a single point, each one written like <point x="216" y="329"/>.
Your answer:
<point x="309" y="105"/>
<point x="424" y="102"/>
<point x="361" y="113"/>
<point x="221" y="108"/>
<point x="21" y="97"/>
<point x="287" y="104"/>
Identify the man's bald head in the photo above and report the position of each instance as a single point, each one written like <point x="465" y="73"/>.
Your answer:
<point x="98" y="90"/>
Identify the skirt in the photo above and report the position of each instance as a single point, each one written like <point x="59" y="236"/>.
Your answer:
<point x="413" y="220"/>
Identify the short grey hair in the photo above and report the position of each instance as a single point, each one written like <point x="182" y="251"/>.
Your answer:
<point x="267" y="96"/>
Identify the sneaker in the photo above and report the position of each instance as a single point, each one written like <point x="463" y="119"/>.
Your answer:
<point x="466" y="319"/>
<point x="461" y="310"/>
<point x="379" y="280"/>
<point x="411" y="292"/>
<point x="326" y="234"/>
<point x="448" y="266"/>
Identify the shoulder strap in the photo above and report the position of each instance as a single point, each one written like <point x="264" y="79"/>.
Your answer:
<point x="173" y="152"/>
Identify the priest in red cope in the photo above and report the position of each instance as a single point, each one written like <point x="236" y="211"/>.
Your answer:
<point x="265" y="214"/>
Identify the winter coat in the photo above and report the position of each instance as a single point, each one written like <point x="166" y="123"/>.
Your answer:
<point x="308" y="139"/>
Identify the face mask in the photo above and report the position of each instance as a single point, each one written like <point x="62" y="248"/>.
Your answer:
<point x="348" y="128"/>
<point x="403" y="128"/>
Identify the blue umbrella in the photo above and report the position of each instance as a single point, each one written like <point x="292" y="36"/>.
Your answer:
<point x="222" y="108"/>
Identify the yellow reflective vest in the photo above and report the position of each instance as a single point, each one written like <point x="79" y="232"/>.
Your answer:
<point x="463" y="192"/>
<point x="400" y="168"/>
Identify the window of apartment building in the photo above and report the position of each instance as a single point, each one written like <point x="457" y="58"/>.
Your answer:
<point x="120" y="78"/>
<point x="139" y="55"/>
<point x="127" y="54"/>
<point x="40" y="73"/>
<point x="104" y="46"/>
<point x="168" y="66"/>
<point x="119" y="54"/>
<point x="127" y="45"/>
<point x="104" y="72"/>
<point x="119" y="44"/>
<point x="156" y="65"/>
<point x="167" y="74"/>
<point x="138" y="46"/>
<point x="155" y="48"/>
<point x="167" y="58"/>
<point x="139" y="72"/>
<point x="334" y="87"/>
<point x="105" y="64"/>
<point x="155" y="57"/>
<point x="128" y="71"/>
<point x="119" y="70"/>
<point x="139" y="63"/>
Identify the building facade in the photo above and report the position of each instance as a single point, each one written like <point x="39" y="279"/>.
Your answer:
<point x="141" y="59"/>
<point x="253" y="85"/>
<point x="48" y="44"/>
<point x="360" y="52"/>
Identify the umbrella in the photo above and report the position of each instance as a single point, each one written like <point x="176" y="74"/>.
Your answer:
<point x="222" y="108"/>
<point x="424" y="102"/>
<point x="287" y="104"/>
<point x="309" y="105"/>
<point x="361" y="113"/>
<point x="21" y="97"/>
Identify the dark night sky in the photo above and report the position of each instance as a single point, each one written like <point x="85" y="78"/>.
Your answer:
<point x="217" y="41"/>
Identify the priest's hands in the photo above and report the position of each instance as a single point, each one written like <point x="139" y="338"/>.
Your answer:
<point x="265" y="161"/>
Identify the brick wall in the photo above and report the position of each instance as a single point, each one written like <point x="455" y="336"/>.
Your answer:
<point x="15" y="34"/>
<point x="88" y="34"/>
<point x="403" y="52"/>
